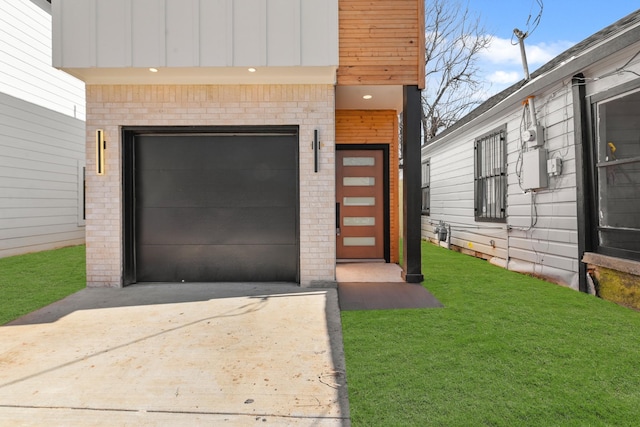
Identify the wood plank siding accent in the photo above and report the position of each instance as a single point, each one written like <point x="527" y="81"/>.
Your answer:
<point x="376" y="127"/>
<point x="381" y="42"/>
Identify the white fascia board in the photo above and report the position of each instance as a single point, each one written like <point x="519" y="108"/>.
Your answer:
<point x="206" y="75"/>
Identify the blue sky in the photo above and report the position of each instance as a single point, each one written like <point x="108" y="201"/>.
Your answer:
<point x="563" y="24"/>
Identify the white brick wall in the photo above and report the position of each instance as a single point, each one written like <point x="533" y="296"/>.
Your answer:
<point x="308" y="106"/>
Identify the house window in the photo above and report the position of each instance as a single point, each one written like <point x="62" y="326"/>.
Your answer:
<point x="617" y="168"/>
<point x="426" y="183"/>
<point x="490" y="176"/>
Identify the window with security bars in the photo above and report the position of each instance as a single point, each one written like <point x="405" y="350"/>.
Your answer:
<point x="426" y="183"/>
<point x="491" y="176"/>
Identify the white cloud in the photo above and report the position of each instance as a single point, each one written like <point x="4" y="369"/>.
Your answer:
<point x="542" y="53"/>
<point x="502" y="77"/>
<point x="502" y="51"/>
<point x="500" y="65"/>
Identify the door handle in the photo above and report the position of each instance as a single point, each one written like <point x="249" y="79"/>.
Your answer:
<point x="337" y="219"/>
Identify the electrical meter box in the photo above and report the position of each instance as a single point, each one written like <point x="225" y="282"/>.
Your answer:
<point x="534" y="169"/>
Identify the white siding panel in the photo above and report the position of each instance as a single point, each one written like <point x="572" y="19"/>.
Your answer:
<point x="550" y="197"/>
<point x="113" y="33"/>
<point x="80" y="44"/>
<point x="546" y="209"/>
<point x="40" y="242"/>
<point x="249" y="29"/>
<point x="319" y="32"/>
<point x="216" y="48"/>
<point x="183" y="33"/>
<point x="195" y="33"/>
<point x="452" y="199"/>
<point x="544" y="227"/>
<point x="25" y="61"/>
<point x="539" y="234"/>
<point x="552" y="241"/>
<point x="608" y="66"/>
<point x="28" y="232"/>
<point x="283" y="32"/>
<point x="39" y="154"/>
<point x="148" y="36"/>
<point x="542" y="259"/>
<point x="546" y="246"/>
<point x="29" y="195"/>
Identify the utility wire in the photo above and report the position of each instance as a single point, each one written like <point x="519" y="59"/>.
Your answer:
<point x="532" y="24"/>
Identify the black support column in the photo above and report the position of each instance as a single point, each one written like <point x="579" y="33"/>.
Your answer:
<point x="584" y="177"/>
<point x="411" y="263"/>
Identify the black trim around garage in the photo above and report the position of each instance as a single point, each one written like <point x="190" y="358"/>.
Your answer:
<point x="135" y="212"/>
<point x="386" y="189"/>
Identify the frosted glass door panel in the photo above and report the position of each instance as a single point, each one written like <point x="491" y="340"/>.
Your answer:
<point x="358" y="161"/>
<point x="359" y="241"/>
<point x="365" y="181"/>
<point x="359" y="201"/>
<point x="359" y="221"/>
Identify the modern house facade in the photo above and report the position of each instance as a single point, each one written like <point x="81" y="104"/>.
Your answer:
<point x="543" y="177"/>
<point x="42" y="136"/>
<point x="216" y="130"/>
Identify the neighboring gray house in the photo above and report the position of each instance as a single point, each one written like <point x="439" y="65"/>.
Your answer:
<point x="544" y="178"/>
<point x="42" y="136"/>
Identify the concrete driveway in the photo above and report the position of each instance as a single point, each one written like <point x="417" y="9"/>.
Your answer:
<point x="177" y="354"/>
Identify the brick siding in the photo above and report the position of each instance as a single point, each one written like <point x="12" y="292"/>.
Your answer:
<point x="109" y="107"/>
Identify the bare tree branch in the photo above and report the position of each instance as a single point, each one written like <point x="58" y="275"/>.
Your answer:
<point x="454" y="39"/>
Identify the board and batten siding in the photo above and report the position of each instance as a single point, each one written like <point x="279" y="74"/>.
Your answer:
<point x="381" y="42"/>
<point x="195" y="33"/>
<point x="42" y="136"/>
<point x="540" y="235"/>
<point x="376" y="127"/>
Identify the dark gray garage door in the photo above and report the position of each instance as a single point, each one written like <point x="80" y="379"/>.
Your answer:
<point x="216" y="207"/>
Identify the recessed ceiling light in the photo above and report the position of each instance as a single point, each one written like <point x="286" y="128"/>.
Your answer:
<point x="367" y="97"/>
<point x="153" y="70"/>
<point x="252" y="70"/>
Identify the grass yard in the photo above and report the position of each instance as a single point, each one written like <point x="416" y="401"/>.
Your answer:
<point x="32" y="281"/>
<point x="507" y="350"/>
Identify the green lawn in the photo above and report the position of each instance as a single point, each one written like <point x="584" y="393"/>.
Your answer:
<point x="29" y="282"/>
<point x="507" y="350"/>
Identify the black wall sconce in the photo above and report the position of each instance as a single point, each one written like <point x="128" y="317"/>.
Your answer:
<point x="315" y="145"/>
<point x="101" y="145"/>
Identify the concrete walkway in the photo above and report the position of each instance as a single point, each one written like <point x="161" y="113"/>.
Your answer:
<point x="177" y="355"/>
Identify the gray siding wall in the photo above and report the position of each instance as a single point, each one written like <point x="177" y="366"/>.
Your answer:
<point x="25" y="61"/>
<point x="540" y="235"/>
<point x="452" y="198"/>
<point x="41" y="137"/>
<point x="41" y="158"/>
<point x="543" y="236"/>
